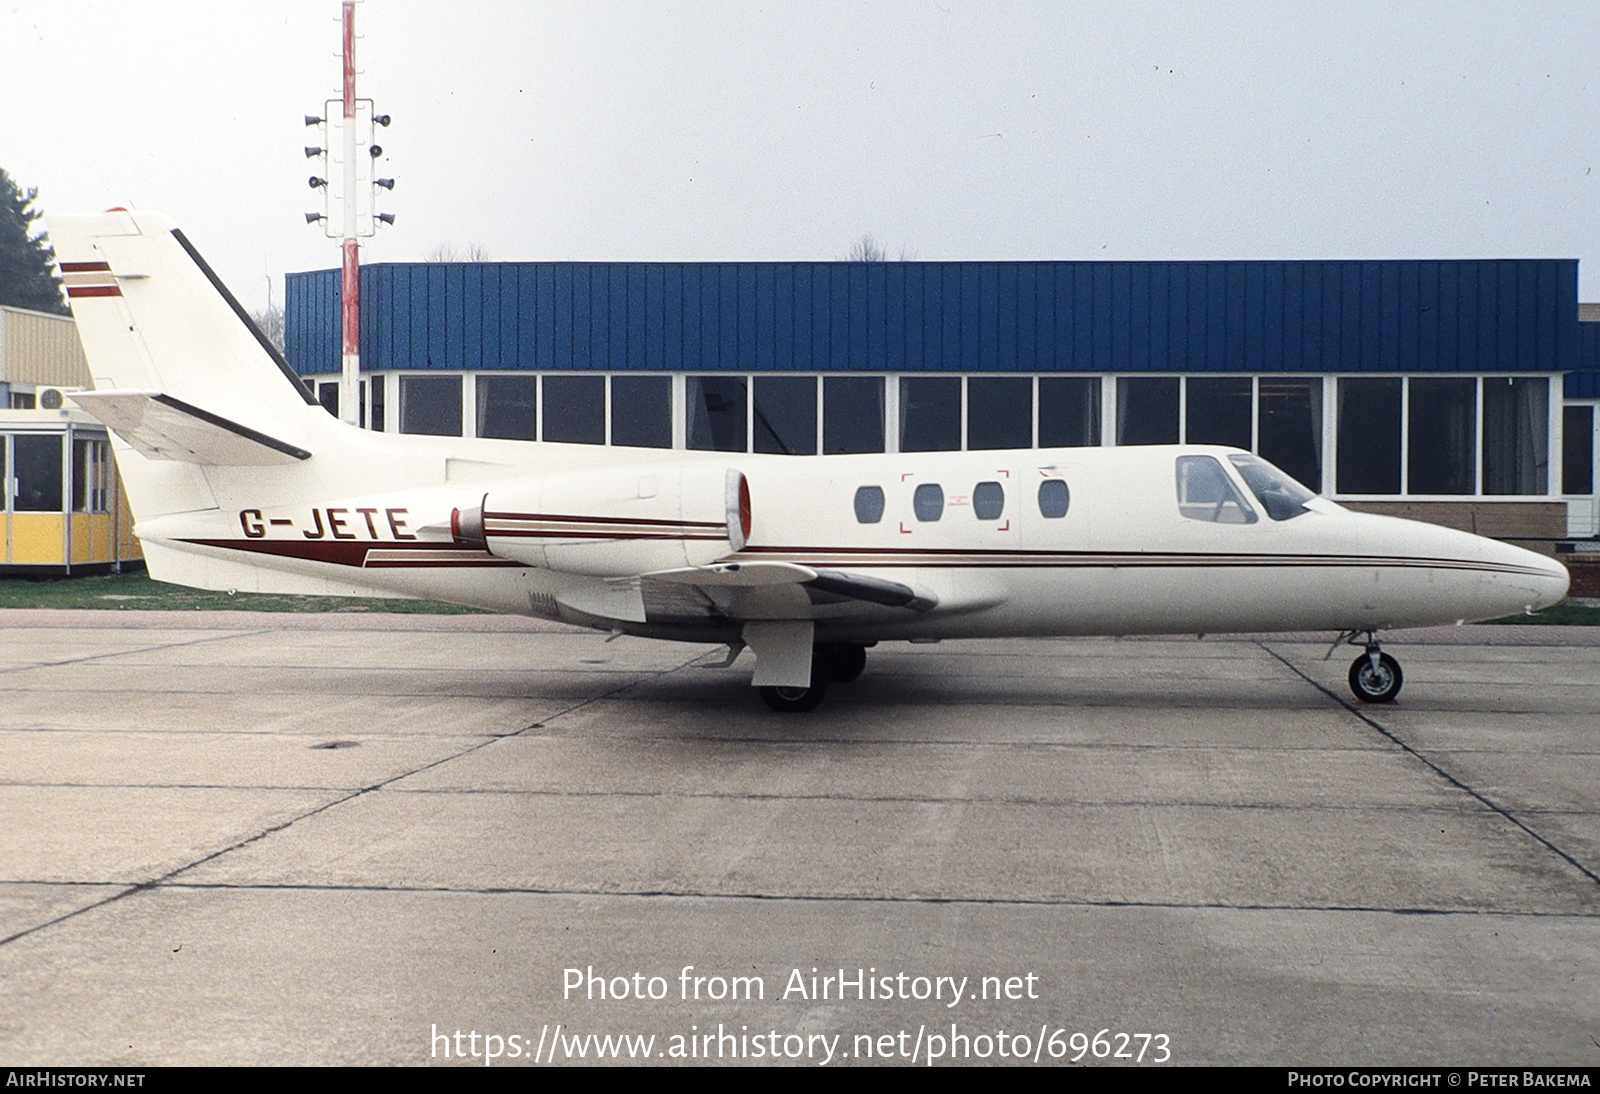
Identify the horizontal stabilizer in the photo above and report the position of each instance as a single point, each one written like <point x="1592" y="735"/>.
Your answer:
<point x="161" y="427"/>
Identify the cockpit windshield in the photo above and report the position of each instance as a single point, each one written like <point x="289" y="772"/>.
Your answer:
<point x="1280" y="496"/>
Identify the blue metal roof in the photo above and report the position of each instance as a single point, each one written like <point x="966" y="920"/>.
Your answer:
<point x="1334" y="316"/>
<point x="1584" y="381"/>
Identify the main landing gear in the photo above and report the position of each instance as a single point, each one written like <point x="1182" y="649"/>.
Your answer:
<point x="1375" y="677"/>
<point x="831" y="663"/>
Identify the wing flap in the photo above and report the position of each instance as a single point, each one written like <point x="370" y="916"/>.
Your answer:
<point x="161" y="427"/>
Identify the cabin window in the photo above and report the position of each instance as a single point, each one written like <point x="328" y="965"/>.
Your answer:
<point x="1054" y="498"/>
<point x="930" y="413"/>
<point x="999" y="412"/>
<point x="1206" y="493"/>
<point x="869" y="504"/>
<point x="641" y="411"/>
<point x="431" y="405"/>
<point x="1279" y="495"/>
<point x="1442" y="446"/>
<point x="717" y="413"/>
<point x="1516" y="434"/>
<point x="786" y="415"/>
<point x="1147" y="410"/>
<point x="1218" y="410"/>
<point x="1577" y="449"/>
<point x="852" y="419"/>
<point x="988" y="500"/>
<point x="575" y="409"/>
<point x="927" y="502"/>
<point x="508" y="407"/>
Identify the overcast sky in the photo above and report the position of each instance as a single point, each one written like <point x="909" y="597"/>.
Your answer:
<point x="770" y="131"/>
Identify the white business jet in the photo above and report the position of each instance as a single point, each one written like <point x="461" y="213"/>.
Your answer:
<point x="238" y="479"/>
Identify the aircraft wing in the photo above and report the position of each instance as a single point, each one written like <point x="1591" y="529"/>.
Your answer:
<point x="161" y="427"/>
<point x="764" y="590"/>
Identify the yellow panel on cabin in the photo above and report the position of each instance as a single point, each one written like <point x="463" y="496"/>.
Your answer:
<point x="91" y="538"/>
<point x="36" y="539"/>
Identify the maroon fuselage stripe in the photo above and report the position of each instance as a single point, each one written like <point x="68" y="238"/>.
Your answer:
<point x="354" y="554"/>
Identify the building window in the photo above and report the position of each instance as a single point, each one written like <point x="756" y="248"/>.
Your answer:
<point x="1069" y="411"/>
<point x="1516" y="434"/>
<point x="717" y="413"/>
<point x="1218" y="410"/>
<point x="1577" y="449"/>
<point x="1147" y="410"/>
<point x="785" y="413"/>
<point x="930" y="413"/>
<point x="380" y="386"/>
<point x="1369" y="435"/>
<point x="575" y="409"/>
<point x="641" y="411"/>
<point x="1442" y="442"/>
<point x="328" y="396"/>
<point x="431" y="405"/>
<point x="852" y="414"/>
<point x="508" y="407"/>
<point x="38" y="473"/>
<point x="999" y="412"/>
<point x="1289" y="427"/>
<point x="91" y="476"/>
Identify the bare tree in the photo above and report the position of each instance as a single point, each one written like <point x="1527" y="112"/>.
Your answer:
<point x="270" y="320"/>
<point x="868" y="249"/>
<point x="449" y="252"/>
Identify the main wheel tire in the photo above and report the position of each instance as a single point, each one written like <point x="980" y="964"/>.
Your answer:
<point x="840" y="662"/>
<point x="795" y="700"/>
<point x="1378" y="685"/>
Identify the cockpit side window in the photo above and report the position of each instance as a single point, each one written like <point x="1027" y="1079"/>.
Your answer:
<point x="1282" y="497"/>
<point x="869" y="504"/>
<point x="1206" y="493"/>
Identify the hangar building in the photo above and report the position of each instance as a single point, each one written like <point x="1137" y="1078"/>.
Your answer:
<point x="1459" y="391"/>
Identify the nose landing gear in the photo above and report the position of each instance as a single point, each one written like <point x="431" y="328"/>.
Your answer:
<point x="1375" y="677"/>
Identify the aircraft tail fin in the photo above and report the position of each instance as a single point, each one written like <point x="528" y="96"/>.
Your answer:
<point x="153" y="317"/>
<point x="182" y="376"/>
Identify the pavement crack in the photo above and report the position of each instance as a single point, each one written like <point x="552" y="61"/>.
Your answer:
<point x="1436" y="768"/>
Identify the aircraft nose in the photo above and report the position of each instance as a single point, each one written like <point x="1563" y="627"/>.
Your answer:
<point x="1533" y="580"/>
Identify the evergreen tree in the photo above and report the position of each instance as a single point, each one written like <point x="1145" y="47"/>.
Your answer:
<point x="27" y="261"/>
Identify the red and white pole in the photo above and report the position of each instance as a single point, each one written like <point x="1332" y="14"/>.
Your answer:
<point x="350" y="282"/>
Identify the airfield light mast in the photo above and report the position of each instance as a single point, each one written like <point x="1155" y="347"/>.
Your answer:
<point x="349" y="123"/>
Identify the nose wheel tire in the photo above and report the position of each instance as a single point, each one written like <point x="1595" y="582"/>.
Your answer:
<point x="1378" y="684"/>
<point x="795" y="700"/>
<point x="840" y="662"/>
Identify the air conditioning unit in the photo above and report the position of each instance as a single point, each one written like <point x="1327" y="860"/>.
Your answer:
<point x="54" y="398"/>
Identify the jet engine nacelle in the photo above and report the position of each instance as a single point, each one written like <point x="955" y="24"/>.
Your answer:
<point x="613" y="522"/>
